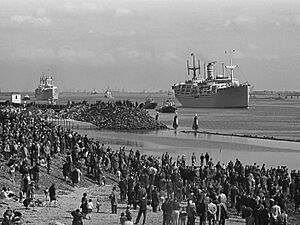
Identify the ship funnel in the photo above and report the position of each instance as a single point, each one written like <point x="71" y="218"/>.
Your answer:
<point x="210" y="70"/>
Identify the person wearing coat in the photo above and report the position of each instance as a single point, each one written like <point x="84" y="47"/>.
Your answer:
<point x="143" y="210"/>
<point x="114" y="200"/>
<point x="154" y="199"/>
<point x="222" y="213"/>
<point x="191" y="213"/>
<point x="77" y="217"/>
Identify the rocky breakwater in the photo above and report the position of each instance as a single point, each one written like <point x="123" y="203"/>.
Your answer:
<point x="120" y="115"/>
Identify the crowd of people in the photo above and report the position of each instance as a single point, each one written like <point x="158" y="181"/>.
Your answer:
<point x="206" y="190"/>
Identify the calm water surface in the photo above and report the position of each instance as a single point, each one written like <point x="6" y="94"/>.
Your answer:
<point x="278" y="118"/>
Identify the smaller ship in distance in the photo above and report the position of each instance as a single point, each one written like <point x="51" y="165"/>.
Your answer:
<point x="26" y="97"/>
<point x="108" y="94"/>
<point x="46" y="91"/>
<point x="94" y="92"/>
<point x="149" y="104"/>
<point x="168" y="106"/>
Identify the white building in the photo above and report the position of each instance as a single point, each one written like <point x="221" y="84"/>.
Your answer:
<point x="16" y="98"/>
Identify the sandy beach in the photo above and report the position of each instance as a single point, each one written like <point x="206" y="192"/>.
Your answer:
<point x="70" y="200"/>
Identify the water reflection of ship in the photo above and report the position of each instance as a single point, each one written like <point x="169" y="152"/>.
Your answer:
<point x="46" y="91"/>
<point x="212" y="91"/>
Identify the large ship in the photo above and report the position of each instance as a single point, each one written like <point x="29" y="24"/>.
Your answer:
<point x="46" y="91"/>
<point x="212" y="91"/>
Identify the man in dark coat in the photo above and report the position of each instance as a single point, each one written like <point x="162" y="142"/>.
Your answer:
<point x="83" y="206"/>
<point x="77" y="217"/>
<point x="143" y="210"/>
<point x="114" y="200"/>
<point x="154" y="199"/>
<point x="167" y="212"/>
<point x="52" y="194"/>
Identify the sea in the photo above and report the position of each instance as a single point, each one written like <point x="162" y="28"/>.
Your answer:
<point x="278" y="118"/>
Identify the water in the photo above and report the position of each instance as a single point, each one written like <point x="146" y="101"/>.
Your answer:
<point x="277" y="118"/>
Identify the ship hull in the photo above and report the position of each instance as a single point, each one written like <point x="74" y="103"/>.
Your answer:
<point x="231" y="97"/>
<point x="46" y="94"/>
<point x="167" y="109"/>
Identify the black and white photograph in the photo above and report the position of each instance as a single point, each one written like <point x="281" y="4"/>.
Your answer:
<point x="150" y="112"/>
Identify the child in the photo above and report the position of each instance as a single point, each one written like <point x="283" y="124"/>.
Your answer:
<point x="122" y="218"/>
<point x="90" y="207"/>
<point x="98" y="204"/>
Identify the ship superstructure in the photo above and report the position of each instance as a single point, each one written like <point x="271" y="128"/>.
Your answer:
<point x="211" y="91"/>
<point x="46" y="91"/>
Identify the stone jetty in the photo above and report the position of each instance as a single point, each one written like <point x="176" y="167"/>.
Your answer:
<point x="120" y="115"/>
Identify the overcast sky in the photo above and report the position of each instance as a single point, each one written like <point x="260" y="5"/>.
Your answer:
<point x="143" y="44"/>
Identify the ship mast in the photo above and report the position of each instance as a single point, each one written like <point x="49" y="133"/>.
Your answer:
<point x="194" y="68"/>
<point x="231" y="67"/>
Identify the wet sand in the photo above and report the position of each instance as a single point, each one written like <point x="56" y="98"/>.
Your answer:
<point x="221" y="148"/>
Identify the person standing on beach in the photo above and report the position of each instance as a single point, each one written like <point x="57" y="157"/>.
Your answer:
<point x="154" y="199"/>
<point x="52" y="195"/>
<point x="206" y="158"/>
<point x="98" y="204"/>
<point x="77" y="217"/>
<point x="175" y="121"/>
<point x="48" y="160"/>
<point x="167" y="212"/>
<point x="202" y="159"/>
<point x="83" y="206"/>
<point x="143" y="210"/>
<point x="195" y="126"/>
<point x="66" y="170"/>
<point x="193" y="159"/>
<point x="76" y="176"/>
<point x="114" y="200"/>
<point x="90" y="207"/>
